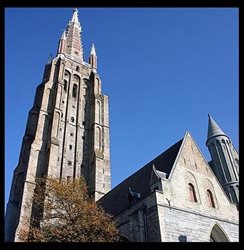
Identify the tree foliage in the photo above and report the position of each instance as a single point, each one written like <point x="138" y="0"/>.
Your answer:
<point x="69" y="215"/>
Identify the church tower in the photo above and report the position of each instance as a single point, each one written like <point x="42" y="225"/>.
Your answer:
<point x="67" y="132"/>
<point x="225" y="160"/>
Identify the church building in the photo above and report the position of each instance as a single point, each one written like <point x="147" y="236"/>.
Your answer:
<point x="176" y="197"/>
<point x="67" y="132"/>
<point x="179" y="196"/>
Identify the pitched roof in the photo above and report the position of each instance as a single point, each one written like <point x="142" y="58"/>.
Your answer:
<point x="116" y="200"/>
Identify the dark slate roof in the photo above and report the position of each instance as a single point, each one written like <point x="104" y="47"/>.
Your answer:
<point x="213" y="128"/>
<point x="116" y="200"/>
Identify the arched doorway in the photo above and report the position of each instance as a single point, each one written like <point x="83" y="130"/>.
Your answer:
<point x="218" y="235"/>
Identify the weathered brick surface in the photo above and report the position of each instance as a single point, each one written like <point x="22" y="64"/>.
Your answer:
<point x="63" y="139"/>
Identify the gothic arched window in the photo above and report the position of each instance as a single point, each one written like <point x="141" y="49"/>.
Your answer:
<point x="65" y="85"/>
<point x="218" y="235"/>
<point x="74" y="92"/>
<point x="192" y="193"/>
<point x="210" y="198"/>
<point x="72" y="119"/>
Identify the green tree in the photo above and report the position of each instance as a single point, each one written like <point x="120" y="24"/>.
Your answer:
<point x="69" y="215"/>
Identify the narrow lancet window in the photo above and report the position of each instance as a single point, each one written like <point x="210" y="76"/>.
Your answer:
<point x="74" y="92"/>
<point x="65" y="85"/>
<point x="210" y="199"/>
<point x="192" y="193"/>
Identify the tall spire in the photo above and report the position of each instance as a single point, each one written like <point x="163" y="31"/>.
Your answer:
<point x="213" y="128"/>
<point x="75" y="16"/>
<point x="72" y="46"/>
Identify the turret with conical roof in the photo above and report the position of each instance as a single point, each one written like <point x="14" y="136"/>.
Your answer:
<point x="213" y="128"/>
<point x="225" y="160"/>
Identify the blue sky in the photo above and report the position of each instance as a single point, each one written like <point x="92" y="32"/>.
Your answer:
<point x="164" y="70"/>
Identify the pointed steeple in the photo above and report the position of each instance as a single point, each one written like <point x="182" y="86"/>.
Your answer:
<point x="93" y="57"/>
<point x="213" y="128"/>
<point x="75" y="16"/>
<point x="93" y="51"/>
<point x="71" y="44"/>
<point x="61" y="45"/>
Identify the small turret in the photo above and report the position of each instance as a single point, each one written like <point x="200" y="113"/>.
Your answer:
<point x="93" y="57"/>
<point x="61" y="45"/>
<point x="225" y="160"/>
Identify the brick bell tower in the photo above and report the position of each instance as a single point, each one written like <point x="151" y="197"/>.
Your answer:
<point x="67" y="132"/>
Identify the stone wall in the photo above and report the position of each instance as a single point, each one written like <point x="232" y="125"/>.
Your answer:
<point x="196" y="227"/>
